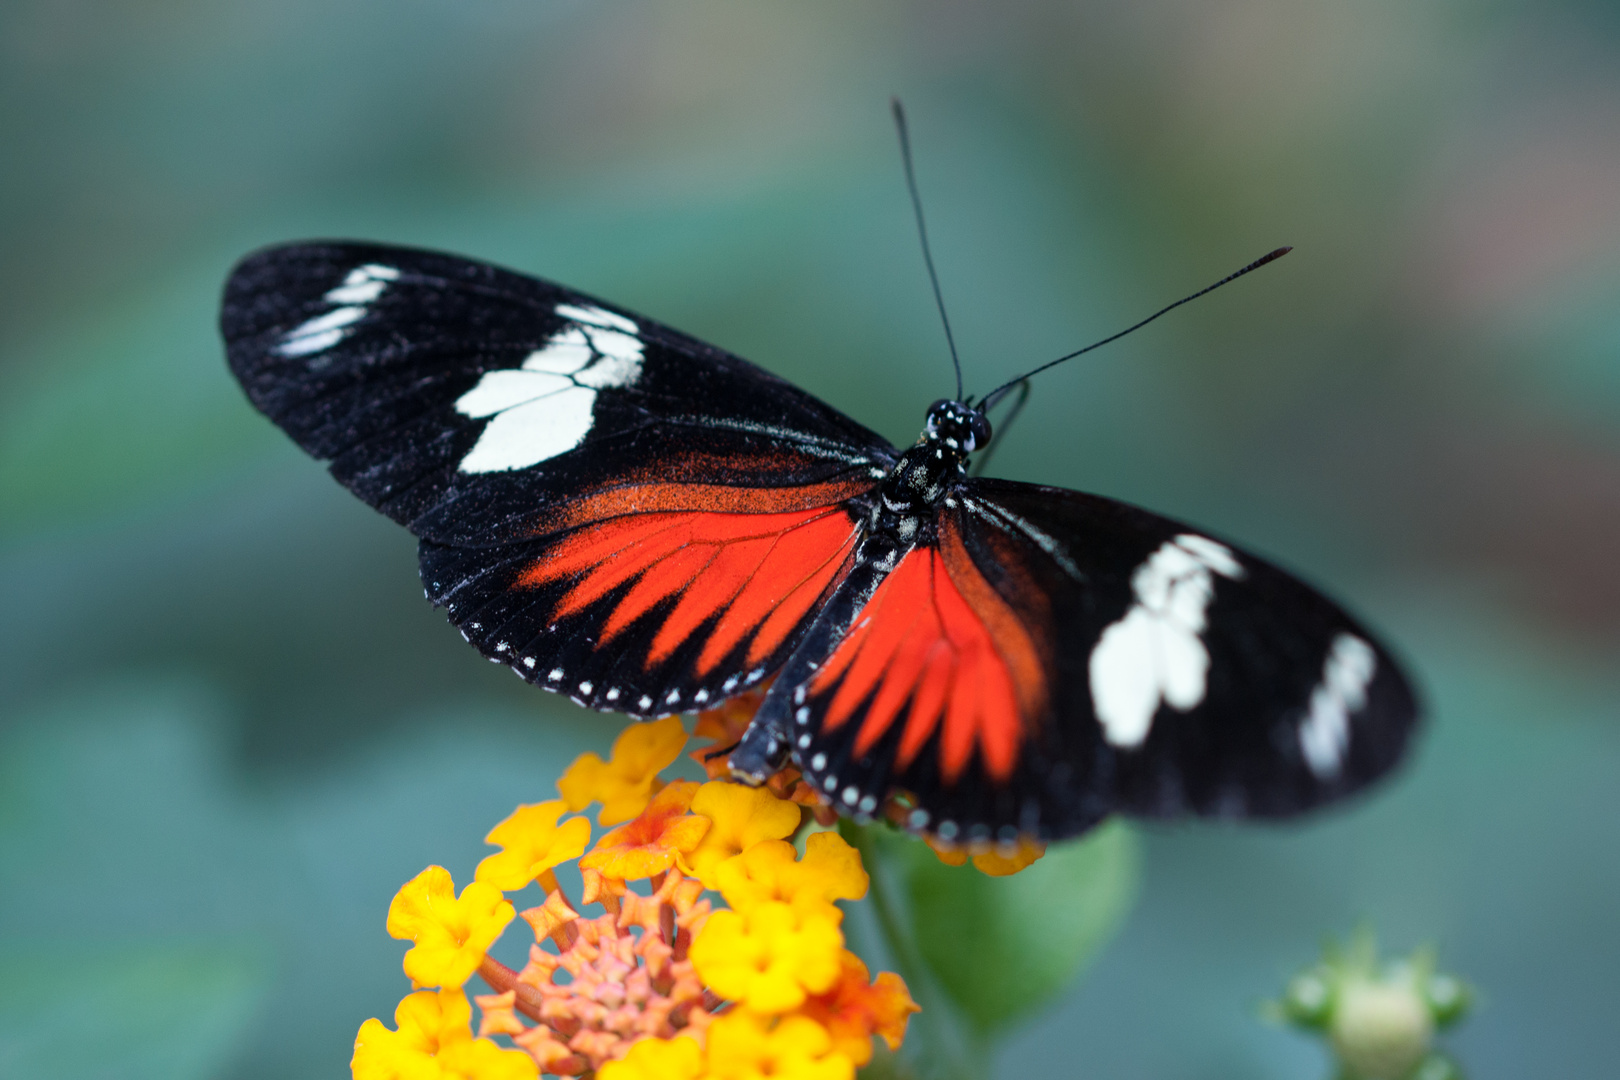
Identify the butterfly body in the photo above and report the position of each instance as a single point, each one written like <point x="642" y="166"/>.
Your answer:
<point x="650" y="525"/>
<point x="902" y="518"/>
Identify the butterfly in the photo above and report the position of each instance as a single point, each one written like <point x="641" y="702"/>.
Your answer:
<point x="650" y="525"/>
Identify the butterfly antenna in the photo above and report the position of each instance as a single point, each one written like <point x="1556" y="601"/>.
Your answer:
<point x="922" y="232"/>
<point x="1003" y="426"/>
<point x="1001" y="391"/>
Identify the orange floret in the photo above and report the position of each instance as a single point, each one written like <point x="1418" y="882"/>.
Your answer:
<point x="651" y="843"/>
<point x="994" y="860"/>
<point x="855" y="1010"/>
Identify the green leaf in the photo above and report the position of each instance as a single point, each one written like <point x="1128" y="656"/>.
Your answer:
<point x="170" y="1011"/>
<point x="1001" y="949"/>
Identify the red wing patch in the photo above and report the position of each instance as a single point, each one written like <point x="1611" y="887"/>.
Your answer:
<point x="756" y="567"/>
<point x="937" y="636"/>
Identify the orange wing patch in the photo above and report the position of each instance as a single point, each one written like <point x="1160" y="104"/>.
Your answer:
<point x="936" y="635"/>
<point x="758" y="565"/>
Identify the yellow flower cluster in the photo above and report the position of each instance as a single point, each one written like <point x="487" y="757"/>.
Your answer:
<point x="662" y="984"/>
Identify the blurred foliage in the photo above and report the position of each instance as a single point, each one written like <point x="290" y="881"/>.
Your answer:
<point x="229" y="728"/>
<point x="984" y="954"/>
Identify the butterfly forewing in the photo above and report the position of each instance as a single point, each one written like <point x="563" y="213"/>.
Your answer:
<point x="619" y="511"/>
<point x="1047" y="657"/>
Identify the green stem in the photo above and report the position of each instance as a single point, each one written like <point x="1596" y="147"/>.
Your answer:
<point x="955" y="1049"/>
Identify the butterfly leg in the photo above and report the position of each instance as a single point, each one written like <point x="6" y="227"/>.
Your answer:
<point x="762" y="751"/>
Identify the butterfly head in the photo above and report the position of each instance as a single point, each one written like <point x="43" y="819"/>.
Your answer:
<point x="959" y="426"/>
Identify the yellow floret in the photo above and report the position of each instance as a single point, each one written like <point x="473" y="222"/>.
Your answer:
<point x="434" y="1042"/>
<point x="746" y="1046"/>
<point x="768" y="957"/>
<point x="742" y="817"/>
<point x="451" y="935"/>
<point x="830" y="870"/>
<point x="625" y="783"/>
<point x="533" y="843"/>
<point x="657" y="1059"/>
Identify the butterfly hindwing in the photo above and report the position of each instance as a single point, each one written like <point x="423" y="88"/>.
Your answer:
<point x="1046" y="657"/>
<point x="596" y="494"/>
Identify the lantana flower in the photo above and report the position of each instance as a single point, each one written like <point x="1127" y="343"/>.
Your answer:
<point x="994" y="860"/>
<point x="769" y="956"/>
<point x="725" y="725"/>
<point x="534" y="843"/>
<point x="624" y="783"/>
<point x="657" y="1059"/>
<point x="450" y="933"/>
<point x="651" y="843"/>
<point x="747" y="1045"/>
<point x="433" y="1041"/>
<point x="855" y="1009"/>
<point x="771" y="870"/>
<point x="742" y="817"/>
<point x="660" y="984"/>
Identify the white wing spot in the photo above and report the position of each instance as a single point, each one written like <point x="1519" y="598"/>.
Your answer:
<point x="851" y="794"/>
<point x="319" y="333"/>
<point x="528" y="662"/>
<point x="555" y="675"/>
<point x="674" y="696"/>
<point x="546" y="405"/>
<point x="701" y="696"/>
<point x="645" y="703"/>
<point x="1324" y="735"/>
<point x="362" y="286"/>
<point x="596" y="316"/>
<point x="1155" y="652"/>
<point x="612" y="694"/>
<point x="585" y="687"/>
<point x="818" y="762"/>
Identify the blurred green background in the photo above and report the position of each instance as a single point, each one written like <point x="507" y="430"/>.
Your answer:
<point x="231" y="726"/>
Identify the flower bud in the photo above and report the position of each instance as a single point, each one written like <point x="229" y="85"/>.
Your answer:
<point x="1380" y="1030"/>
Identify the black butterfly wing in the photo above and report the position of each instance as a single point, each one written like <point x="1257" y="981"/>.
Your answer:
<point x="617" y="510"/>
<point x="1051" y="657"/>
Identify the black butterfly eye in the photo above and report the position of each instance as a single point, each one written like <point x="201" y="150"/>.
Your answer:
<point x="979" y="428"/>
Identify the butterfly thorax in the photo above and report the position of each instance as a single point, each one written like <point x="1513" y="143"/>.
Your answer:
<point x="925" y="473"/>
